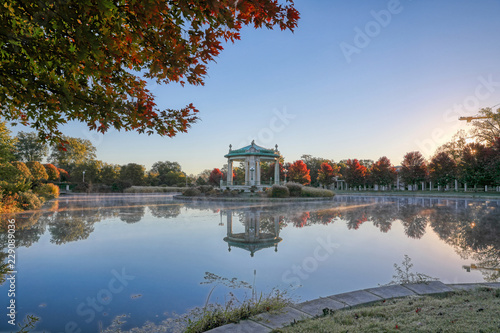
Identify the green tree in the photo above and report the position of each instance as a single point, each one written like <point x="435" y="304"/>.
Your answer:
<point x="29" y="148"/>
<point x="7" y="143"/>
<point x="175" y="178"/>
<point x="383" y="172"/>
<point x="133" y="173"/>
<point x="92" y="169"/>
<point x="413" y="168"/>
<point x="88" y="60"/>
<point x="493" y="166"/>
<point x="314" y="165"/>
<point x="15" y="177"/>
<point x="454" y="148"/>
<point x="168" y="173"/>
<point x="442" y="169"/>
<point x="110" y="173"/>
<point x="486" y="131"/>
<point x="71" y="153"/>
<point x="37" y="171"/>
<point x="202" y="177"/>
<point x="473" y="168"/>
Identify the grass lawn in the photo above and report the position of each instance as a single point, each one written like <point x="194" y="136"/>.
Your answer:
<point x="461" y="311"/>
<point x="489" y="195"/>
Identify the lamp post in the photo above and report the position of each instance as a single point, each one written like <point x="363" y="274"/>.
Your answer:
<point x="252" y="169"/>
<point x="83" y="177"/>
<point x="186" y="176"/>
<point x="285" y="171"/>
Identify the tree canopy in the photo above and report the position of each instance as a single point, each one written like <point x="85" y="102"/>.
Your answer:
<point x="487" y="130"/>
<point x="7" y="143"/>
<point x="89" y="60"/>
<point x="413" y="168"/>
<point x="299" y="173"/>
<point x="74" y="151"/>
<point x="29" y="148"/>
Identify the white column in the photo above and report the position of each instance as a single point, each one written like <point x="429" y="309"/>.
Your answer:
<point x="257" y="172"/>
<point x="456" y="185"/>
<point x="246" y="171"/>
<point x="229" y="172"/>
<point x="252" y="174"/>
<point x="277" y="172"/>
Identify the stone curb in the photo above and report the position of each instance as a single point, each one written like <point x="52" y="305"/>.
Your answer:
<point x="266" y="322"/>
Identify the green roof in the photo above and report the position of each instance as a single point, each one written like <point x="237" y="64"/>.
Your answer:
<point x="252" y="149"/>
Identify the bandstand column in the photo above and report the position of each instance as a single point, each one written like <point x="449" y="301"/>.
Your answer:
<point x="229" y="172"/>
<point x="252" y="173"/>
<point x="257" y="172"/>
<point x="247" y="172"/>
<point x="277" y="171"/>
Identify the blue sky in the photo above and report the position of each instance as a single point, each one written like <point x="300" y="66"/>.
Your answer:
<point x="410" y="70"/>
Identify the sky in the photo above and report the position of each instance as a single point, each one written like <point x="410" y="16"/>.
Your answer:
<point x="357" y="79"/>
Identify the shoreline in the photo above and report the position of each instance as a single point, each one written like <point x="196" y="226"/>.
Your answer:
<point x="421" y="194"/>
<point x="267" y="322"/>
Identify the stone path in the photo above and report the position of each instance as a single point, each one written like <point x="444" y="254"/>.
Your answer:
<point x="266" y="322"/>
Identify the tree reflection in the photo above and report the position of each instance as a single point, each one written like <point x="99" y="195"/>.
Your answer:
<point x="471" y="227"/>
<point x="165" y="211"/>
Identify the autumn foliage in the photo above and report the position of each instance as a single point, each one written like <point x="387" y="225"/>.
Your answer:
<point x="326" y="173"/>
<point x="215" y="177"/>
<point x="89" y="60"/>
<point x="355" y="173"/>
<point x="299" y="173"/>
<point x="383" y="172"/>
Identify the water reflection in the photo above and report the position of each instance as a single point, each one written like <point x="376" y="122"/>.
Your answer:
<point x="261" y="230"/>
<point x="471" y="227"/>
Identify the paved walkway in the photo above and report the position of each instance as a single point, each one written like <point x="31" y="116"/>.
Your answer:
<point x="266" y="322"/>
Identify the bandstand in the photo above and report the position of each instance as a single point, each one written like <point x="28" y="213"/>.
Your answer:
<point x="251" y="156"/>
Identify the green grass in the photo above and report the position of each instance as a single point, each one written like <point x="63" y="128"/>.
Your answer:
<point x="461" y="311"/>
<point x="425" y="193"/>
<point x="153" y="189"/>
<point x="215" y="315"/>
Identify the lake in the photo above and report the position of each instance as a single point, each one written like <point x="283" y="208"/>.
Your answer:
<point x="87" y="259"/>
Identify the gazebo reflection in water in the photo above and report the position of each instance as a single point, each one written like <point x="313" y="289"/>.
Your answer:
<point x="261" y="230"/>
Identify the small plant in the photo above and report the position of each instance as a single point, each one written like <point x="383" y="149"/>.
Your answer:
<point x="29" y="322"/>
<point x="404" y="275"/>
<point x="205" y="188"/>
<point x="253" y="188"/>
<point x="191" y="192"/>
<point x="47" y="191"/>
<point x="29" y="201"/>
<point x="279" y="191"/>
<point x="295" y="189"/>
<point x="316" y="192"/>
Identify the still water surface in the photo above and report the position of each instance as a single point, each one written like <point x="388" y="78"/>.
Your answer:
<point x="88" y="259"/>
